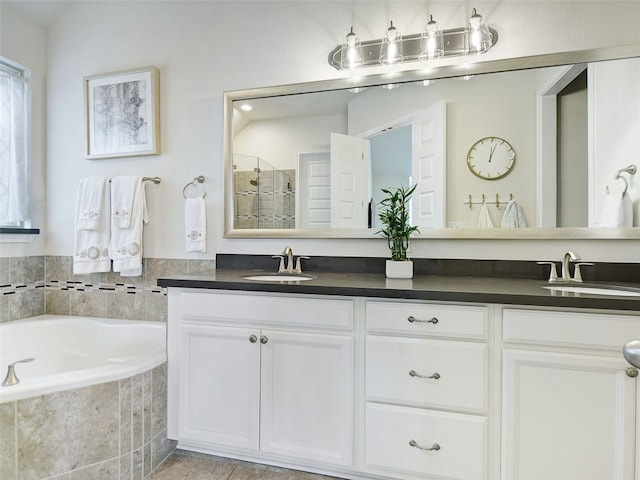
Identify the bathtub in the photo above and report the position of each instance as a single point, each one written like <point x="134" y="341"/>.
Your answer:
<point x="72" y="352"/>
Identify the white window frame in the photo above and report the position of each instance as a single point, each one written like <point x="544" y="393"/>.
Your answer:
<point x="24" y="74"/>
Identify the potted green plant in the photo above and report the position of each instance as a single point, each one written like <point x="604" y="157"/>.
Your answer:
<point x="396" y="228"/>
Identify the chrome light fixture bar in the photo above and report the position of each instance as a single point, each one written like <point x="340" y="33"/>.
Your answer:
<point x="472" y="39"/>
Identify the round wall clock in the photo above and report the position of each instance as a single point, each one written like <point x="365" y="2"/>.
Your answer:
<point x="491" y="158"/>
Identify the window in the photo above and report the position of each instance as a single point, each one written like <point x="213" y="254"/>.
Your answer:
<point x="14" y="144"/>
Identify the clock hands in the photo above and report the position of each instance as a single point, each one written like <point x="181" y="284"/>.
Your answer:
<point x="493" y="149"/>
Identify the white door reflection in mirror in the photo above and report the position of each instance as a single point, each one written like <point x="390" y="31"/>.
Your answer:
<point x="314" y="193"/>
<point x="350" y="172"/>
<point x="428" y="172"/>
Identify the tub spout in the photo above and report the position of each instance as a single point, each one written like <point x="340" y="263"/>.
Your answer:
<point x="11" y="378"/>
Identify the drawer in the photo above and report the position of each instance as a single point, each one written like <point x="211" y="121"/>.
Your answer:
<point x="243" y="307"/>
<point x="461" y="369"/>
<point x="427" y="319"/>
<point x="571" y="329"/>
<point x="462" y="440"/>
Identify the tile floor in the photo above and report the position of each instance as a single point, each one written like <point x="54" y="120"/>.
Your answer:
<point x="182" y="465"/>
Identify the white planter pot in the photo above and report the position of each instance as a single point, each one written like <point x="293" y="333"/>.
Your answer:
<point x="402" y="269"/>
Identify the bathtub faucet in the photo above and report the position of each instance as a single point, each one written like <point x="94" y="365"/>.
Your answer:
<point x="11" y="378"/>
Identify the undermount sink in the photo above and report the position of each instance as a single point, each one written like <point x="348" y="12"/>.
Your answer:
<point x="613" y="290"/>
<point x="279" y="278"/>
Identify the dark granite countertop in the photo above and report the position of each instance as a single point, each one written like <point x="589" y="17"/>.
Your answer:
<point x="509" y="291"/>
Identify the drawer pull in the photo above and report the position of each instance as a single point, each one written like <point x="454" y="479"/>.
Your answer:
<point x="434" y="447"/>
<point x="413" y="319"/>
<point x="413" y="373"/>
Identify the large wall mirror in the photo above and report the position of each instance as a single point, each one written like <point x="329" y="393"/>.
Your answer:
<point x="560" y="131"/>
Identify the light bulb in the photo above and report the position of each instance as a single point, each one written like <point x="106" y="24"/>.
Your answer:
<point x="350" y="54"/>
<point x="432" y="43"/>
<point x="480" y="38"/>
<point x="391" y="48"/>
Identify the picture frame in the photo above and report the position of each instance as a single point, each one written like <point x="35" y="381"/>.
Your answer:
<point x="122" y="114"/>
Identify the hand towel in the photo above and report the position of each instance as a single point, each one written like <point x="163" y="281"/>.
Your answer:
<point x="617" y="210"/>
<point x="92" y="227"/>
<point x="126" y="241"/>
<point x="484" y="220"/>
<point x="195" y="223"/>
<point x="513" y="216"/>
<point x="123" y="195"/>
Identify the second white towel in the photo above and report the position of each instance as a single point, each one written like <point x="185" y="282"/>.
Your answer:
<point x="617" y="211"/>
<point x="195" y="224"/>
<point x="513" y="216"/>
<point x="484" y="219"/>
<point x="126" y="241"/>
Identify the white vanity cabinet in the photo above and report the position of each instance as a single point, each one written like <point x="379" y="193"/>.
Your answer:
<point x="426" y="390"/>
<point x="569" y="398"/>
<point x="259" y="376"/>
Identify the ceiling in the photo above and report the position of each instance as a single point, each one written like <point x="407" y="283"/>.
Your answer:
<point x="42" y="12"/>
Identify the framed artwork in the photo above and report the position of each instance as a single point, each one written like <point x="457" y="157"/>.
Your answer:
<point x="122" y="114"/>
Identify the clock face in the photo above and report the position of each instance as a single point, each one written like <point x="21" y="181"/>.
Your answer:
<point x="491" y="158"/>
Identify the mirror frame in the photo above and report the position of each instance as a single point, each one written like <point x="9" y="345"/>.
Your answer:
<point x="491" y="66"/>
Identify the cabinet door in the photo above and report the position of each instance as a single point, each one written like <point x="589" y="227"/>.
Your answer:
<point x="219" y="386"/>
<point x="567" y="417"/>
<point x="307" y="396"/>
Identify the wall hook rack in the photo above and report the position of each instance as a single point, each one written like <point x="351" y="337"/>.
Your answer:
<point x="498" y="201"/>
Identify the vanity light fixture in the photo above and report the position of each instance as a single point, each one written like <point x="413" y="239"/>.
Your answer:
<point x="432" y="43"/>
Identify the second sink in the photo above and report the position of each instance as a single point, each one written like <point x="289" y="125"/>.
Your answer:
<point x="597" y="290"/>
<point x="279" y="278"/>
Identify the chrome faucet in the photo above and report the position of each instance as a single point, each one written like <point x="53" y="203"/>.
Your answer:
<point x="568" y="256"/>
<point x="290" y="265"/>
<point x="11" y="377"/>
<point x="289" y="253"/>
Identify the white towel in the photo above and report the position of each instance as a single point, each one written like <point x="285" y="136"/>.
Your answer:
<point x="617" y="211"/>
<point x="195" y="224"/>
<point x="123" y="195"/>
<point x="513" y="216"/>
<point x="484" y="220"/>
<point x="92" y="227"/>
<point x="126" y="242"/>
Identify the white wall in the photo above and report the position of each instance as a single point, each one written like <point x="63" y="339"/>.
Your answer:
<point x="25" y="43"/>
<point x="279" y="140"/>
<point x="615" y="93"/>
<point x="204" y="48"/>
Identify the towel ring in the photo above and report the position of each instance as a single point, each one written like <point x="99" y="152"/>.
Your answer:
<point x="194" y="183"/>
<point x="631" y="170"/>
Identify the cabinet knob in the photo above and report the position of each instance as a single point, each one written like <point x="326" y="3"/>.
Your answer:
<point x="632" y="372"/>
<point x="253" y="339"/>
<point x="434" y="447"/>
<point x="631" y="352"/>
<point x="413" y="373"/>
<point x="264" y="339"/>
<point x="413" y="319"/>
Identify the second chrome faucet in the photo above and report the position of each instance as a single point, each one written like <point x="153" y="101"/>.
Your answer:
<point x="287" y="262"/>
<point x="565" y="274"/>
